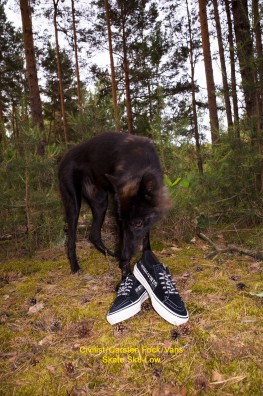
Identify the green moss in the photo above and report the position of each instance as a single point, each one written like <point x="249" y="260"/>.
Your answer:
<point x="203" y="288"/>
<point x="5" y="339"/>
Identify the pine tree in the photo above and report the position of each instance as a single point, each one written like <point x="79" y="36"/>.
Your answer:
<point x="232" y="68"/>
<point x="212" y="106"/>
<point x="52" y="106"/>
<point x="60" y="72"/>
<point x="223" y="65"/>
<point x="245" y="54"/>
<point x="112" y="66"/>
<point x="12" y="72"/>
<point x="194" y="106"/>
<point x="31" y="68"/>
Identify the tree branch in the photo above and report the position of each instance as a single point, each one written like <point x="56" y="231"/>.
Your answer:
<point x="229" y="249"/>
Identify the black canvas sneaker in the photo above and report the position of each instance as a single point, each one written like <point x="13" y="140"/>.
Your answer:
<point x="130" y="296"/>
<point x="157" y="280"/>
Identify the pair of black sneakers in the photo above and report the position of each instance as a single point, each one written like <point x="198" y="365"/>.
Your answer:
<point x="152" y="279"/>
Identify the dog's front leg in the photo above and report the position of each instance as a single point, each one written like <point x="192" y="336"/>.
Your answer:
<point x="146" y="245"/>
<point x="125" y="267"/>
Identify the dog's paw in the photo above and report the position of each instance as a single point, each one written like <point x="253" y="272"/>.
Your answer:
<point x="78" y="272"/>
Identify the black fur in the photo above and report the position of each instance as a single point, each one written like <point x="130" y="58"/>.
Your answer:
<point x="126" y="166"/>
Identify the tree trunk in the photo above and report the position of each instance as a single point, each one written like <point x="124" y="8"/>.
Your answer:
<point x="60" y="75"/>
<point x="245" y="53"/>
<point x="209" y="72"/>
<point x="2" y="127"/>
<point x="195" y="120"/>
<point x="76" y="53"/>
<point x="223" y="65"/>
<point x="233" y="70"/>
<point x="259" y="92"/>
<point x="113" y="78"/>
<point x="31" y="69"/>
<point x="126" y="74"/>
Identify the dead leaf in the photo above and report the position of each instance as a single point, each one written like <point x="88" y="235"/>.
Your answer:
<point x="216" y="376"/>
<point x="205" y="354"/>
<point x="79" y="392"/>
<point x="169" y="390"/>
<point x="165" y="252"/>
<point x="45" y="340"/>
<point x="35" y="308"/>
<point x="175" y="248"/>
<point x="51" y="369"/>
<point x="185" y="275"/>
<point x="187" y="291"/>
<point x="167" y="344"/>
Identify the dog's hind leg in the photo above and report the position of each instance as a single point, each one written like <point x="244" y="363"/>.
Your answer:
<point x="98" y="202"/>
<point x="71" y="196"/>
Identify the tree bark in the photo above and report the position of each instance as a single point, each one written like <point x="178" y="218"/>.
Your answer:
<point x="112" y="67"/>
<point x="126" y="73"/>
<point x="232" y="67"/>
<point x="259" y="91"/>
<point x="195" y="120"/>
<point x="76" y="53"/>
<point x="209" y="72"/>
<point x="223" y="65"/>
<point x="31" y="69"/>
<point x="60" y="75"/>
<point x="2" y="127"/>
<point x="245" y="53"/>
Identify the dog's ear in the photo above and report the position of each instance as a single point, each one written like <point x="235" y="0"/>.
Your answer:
<point x="124" y="192"/>
<point x="155" y="192"/>
<point x="149" y="186"/>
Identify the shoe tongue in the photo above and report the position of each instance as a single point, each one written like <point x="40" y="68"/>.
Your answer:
<point x="150" y="258"/>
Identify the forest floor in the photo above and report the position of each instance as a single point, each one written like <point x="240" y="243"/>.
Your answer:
<point x="55" y="339"/>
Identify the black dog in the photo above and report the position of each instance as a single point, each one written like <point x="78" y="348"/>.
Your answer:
<point x="126" y="166"/>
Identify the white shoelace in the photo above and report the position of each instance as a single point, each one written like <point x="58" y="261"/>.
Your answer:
<point x="167" y="283"/>
<point x="125" y="287"/>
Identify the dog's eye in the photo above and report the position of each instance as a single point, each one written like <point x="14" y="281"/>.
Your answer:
<point x="137" y="223"/>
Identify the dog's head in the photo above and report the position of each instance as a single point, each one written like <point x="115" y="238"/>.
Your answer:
<point x="141" y="202"/>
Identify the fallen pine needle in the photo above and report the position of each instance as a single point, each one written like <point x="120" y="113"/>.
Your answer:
<point x="236" y="379"/>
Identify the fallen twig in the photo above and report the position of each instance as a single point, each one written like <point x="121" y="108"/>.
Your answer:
<point x="234" y="379"/>
<point x="229" y="249"/>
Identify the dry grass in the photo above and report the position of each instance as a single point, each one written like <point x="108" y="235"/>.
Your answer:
<point x="47" y="352"/>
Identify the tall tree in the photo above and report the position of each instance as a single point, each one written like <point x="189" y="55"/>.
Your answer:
<point x="223" y="64"/>
<point x="31" y="69"/>
<point x="124" y="10"/>
<point x="259" y="59"/>
<point x="212" y="106"/>
<point x="136" y="42"/>
<point x="259" y="81"/>
<point x="76" y="52"/>
<point x="192" y="67"/>
<point x="245" y="53"/>
<point x="232" y="68"/>
<point x="12" y="73"/>
<point x="60" y="73"/>
<point x="52" y="104"/>
<point x="112" y="67"/>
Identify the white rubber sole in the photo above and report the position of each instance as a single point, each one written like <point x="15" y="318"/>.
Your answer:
<point x="159" y="307"/>
<point x="124" y="314"/>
